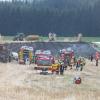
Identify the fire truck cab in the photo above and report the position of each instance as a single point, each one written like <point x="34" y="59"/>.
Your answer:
<point x="44" y="58"/>
<point x="66" y="53"/>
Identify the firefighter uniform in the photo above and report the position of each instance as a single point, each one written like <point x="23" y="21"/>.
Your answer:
<point x="55" y="68"/>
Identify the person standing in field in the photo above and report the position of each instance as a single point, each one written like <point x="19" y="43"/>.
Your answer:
<point x="61" y="69"/>
<point x="97" y="55"/>
<point x="91" y="58"/>
<point x="78" y="64"/>
<point x="96" y="62"/>
<point x="81" y="64"/>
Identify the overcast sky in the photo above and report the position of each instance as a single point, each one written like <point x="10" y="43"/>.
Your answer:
<point x="5" y="0"/>
<point x="11" y="0"/>
<point x="20" y="0"/>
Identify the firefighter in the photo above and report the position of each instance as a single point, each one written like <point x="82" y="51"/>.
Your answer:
<point x="55" y="68"/>
<point x="82" y="63"/>
<point x="91" y="58"/>
<point x="9" y="58"/>
<point x="61" y="69"/>
<point x="97" y="56"/>
<point x="65" y="64"/>
<point x="72" y="62"/>
<point x="68" y="61"/>
<point x="60" y="61"/>
<point x="78" y="64"/>
<point x="75" y="61"/>
<point x="96" y="62"/>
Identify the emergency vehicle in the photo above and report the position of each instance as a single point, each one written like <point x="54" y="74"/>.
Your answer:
<point x="44" y="58"/>
<point x="25" y="54"/>
<point x="66" y="55"/>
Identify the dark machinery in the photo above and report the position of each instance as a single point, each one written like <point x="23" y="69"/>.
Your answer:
<point x="4" y="54"/>
<point x="19" y="37"/>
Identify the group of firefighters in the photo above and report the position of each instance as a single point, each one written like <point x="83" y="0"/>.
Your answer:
<point x="73" y="62"/>
<point x="61" y="65"/>
<point x="65" y="60"/>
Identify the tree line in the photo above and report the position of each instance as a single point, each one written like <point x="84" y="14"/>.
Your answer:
<point x="64" y="17"/>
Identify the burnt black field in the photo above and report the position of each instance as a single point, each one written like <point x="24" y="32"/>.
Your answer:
<point x="81" y="49"/>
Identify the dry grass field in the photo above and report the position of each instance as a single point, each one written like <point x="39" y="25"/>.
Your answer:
<point x="21" y="82"/>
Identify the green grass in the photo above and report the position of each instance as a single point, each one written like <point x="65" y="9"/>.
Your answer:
<point x="84" y="39"/>
<point x="91" y="39"/>
<point x="5" y="38"/>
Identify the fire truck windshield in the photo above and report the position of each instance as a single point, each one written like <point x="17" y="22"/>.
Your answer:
<point x="44" y="62"/>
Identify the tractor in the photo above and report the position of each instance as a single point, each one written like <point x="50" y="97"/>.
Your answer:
<point x="19" y="37"/>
